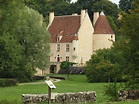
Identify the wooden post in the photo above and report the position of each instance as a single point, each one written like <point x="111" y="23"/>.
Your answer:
<point x="50" y="86"/>
<point x="49" y="95"/>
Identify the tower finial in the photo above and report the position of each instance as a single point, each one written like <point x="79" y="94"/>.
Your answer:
<point x="102" y="13"/>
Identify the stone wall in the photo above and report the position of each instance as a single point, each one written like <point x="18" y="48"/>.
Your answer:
<point x="128" y="95"/>
<point x="63" y="98"/>
<point x="34" y="98"/>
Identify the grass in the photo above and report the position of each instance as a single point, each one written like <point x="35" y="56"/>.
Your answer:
<point x="76" y="83"/>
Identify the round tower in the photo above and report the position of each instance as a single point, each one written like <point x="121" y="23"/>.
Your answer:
<point x="103" y="36"/>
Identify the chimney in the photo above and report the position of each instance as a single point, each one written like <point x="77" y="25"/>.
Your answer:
<point x="82" y="15"/>
<point x="51" y="17"/>
<point x="96" y="15"/>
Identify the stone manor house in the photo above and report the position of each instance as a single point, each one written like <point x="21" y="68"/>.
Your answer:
<point x="74" y="38"/>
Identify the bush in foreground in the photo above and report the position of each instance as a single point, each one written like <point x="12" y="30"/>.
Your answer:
<point x="111" y="91"/>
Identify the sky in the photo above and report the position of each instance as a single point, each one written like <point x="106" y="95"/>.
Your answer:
<point x="114" y="1"/>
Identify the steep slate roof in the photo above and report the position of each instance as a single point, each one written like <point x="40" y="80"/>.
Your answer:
<point x="65" y="26"/>
<point x="102" y="26"/>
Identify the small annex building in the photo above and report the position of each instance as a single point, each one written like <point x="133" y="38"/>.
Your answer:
<point x="74" y="38"/>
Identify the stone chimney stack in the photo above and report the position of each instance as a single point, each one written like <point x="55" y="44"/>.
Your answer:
<point x="51" y="17"/>
<point x="96" y="15"/>
<point x="82" y="15"/>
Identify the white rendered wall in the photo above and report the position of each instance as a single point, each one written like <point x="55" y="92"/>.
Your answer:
<point x="85" y="36"/>
<point x="62" y="53"/>
<point x="101" y="41"/>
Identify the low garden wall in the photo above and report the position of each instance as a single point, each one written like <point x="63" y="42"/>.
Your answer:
<point x="128" y="95"/>
<point x="77" y="97"/>
<point x="34" y="98"/>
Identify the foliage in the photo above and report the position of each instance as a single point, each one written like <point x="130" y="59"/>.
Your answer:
<point x="114" y="24"/>
<point x="111" y="90"/>
<point x="66" y="64"/>
<point x="65" y="7"/>
<point x="8" y="82"/>
<point x="45" y="6"/>
<point x="125" y="5"/>
<point x="131" y="48"/>
<point x="23" y="41"/>
<point x="108" y="7"/>
<point x="105" y="65"/>
<point x="10" y="55"/>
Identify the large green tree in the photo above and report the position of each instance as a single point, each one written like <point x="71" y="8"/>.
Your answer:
<point x="131" y="49"/>
<point x="24" y="29"/>
<point x="105" y="65"/>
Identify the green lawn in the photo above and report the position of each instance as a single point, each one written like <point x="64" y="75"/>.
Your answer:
<point x="75" y="83"/>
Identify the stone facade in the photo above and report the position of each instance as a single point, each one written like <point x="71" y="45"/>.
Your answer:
<point x="74" y="38"/>
<point x="64" y="98"/>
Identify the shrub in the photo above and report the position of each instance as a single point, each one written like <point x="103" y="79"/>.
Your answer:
<point x="111" y="91"/>
<point x="66" y="64"/>
<point x="4" y="82"/>
<point x="38" y="77"/>
<point x="64" y="67"/>
<point x="72" y="70"/>
<point x="57" y="77"/>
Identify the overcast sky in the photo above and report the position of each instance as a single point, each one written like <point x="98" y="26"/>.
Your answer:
<point x="114" y="1"/>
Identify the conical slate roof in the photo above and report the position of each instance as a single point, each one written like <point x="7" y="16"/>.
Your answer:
<point x="102" y="26"/>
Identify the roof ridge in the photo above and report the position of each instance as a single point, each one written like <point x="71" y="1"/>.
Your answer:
<point x="68" y="16"/>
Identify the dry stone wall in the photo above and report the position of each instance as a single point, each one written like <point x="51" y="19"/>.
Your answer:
<point x="34" y="98"/>
<point x="64" y="98"/>
<point x="128" y="95"/>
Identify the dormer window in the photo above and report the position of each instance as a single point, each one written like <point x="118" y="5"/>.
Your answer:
<point x="59" y="38"/>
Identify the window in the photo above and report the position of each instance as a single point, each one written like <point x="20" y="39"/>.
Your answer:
<point x="67" y="58"/>
<point x="74" y="49"/>
<point x="67" y="47"/>
<point x="58" y="47"/>
<point x="58" y="58"/>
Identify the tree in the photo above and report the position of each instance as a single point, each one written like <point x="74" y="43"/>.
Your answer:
<point x="125" y="5"/>
<point x="65" y="7"/>
<point x="104" y="66"/>
<point x="113" y="23"/>
<point x="10" y="55"/>
<point x="131" y="49"/>
<point x="60" y="7"/>
<point x="25" y="26"/>
<point x="108" y="7"/>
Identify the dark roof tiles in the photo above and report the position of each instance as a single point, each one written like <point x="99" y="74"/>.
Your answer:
<point x="65" y="26"/>
<point x="102" y="26"/>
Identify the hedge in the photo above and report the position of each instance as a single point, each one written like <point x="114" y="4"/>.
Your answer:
<point x="5" y="82"/>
